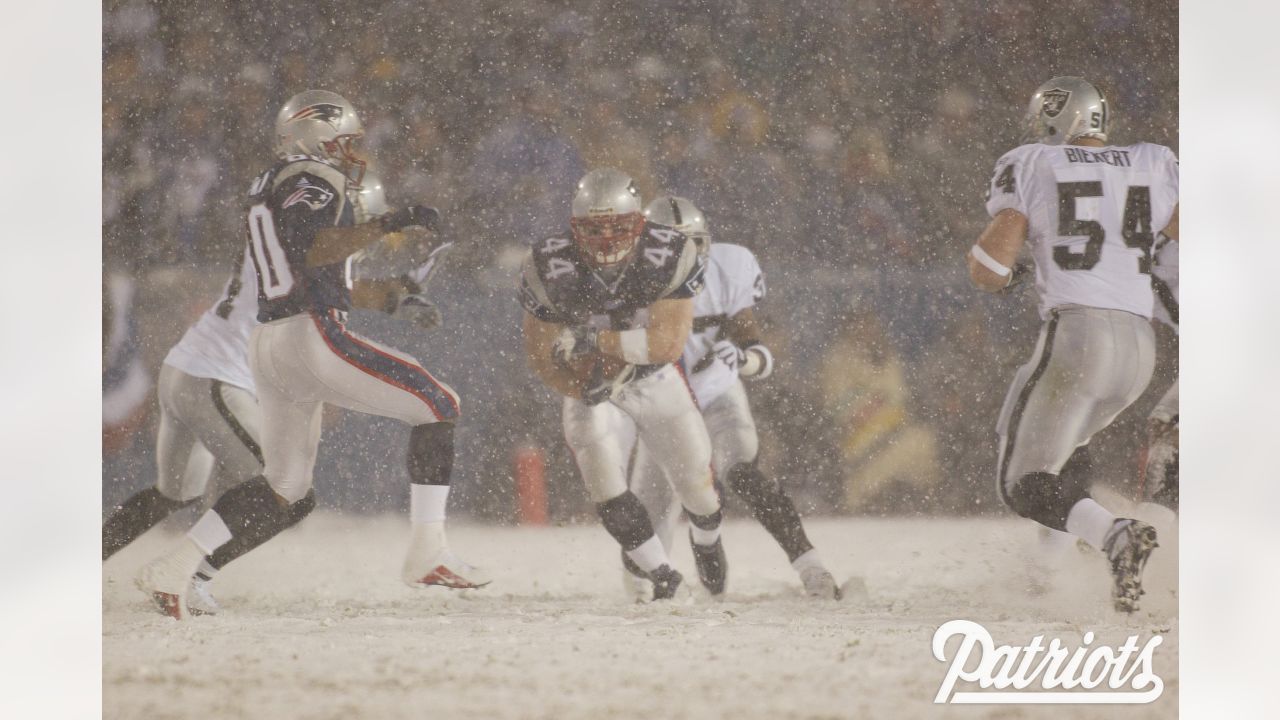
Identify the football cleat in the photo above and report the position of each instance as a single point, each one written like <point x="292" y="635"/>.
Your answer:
<point x="448" y="570"/>
<point x="1128" y="545"/>
<point x="635" y="583"/>
<point x="713" y="566"/>
<point x="167" y="587"/>
<point x="200" y="598"/>
<point x="820" y="584"/>
<point x="666" y="582"/>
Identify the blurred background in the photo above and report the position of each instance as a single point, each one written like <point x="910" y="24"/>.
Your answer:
<point x="849" y="144"/>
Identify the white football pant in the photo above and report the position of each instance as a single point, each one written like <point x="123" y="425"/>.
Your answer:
<point x="301" y="362"/>
<point x="204" y="424"/>
<point x="665" y="418"/>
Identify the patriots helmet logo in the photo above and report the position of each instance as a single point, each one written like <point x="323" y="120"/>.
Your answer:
<point x="1052" y="101"/>
<point x="314" y="196"/>
<point x="325" y="112"/>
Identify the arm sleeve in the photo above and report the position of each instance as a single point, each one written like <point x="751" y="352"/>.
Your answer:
<point x="747" y="280"/>
<point x="1006" y="190"/>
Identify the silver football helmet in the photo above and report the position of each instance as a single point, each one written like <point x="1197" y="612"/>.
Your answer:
<point x="321" y="124"/>
<point x="681" y="214"/>
<point x="371" y="201"/>
<point x="607" y="218"/>
<point x="1064" y="109"/>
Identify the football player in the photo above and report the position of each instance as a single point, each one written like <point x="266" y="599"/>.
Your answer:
<point x="618" y="291"/>
<point x="209" y="416"/>
<point x="1089" y="213"/>
<point x="301" y="228"/>
<point x="724" y="346"/>
<point x="1160" y="476"/>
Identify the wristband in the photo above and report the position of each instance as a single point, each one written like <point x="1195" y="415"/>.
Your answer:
<point x="757" y="362"/>
<point x="989" y="262"/>
<point x="635" y="346"/>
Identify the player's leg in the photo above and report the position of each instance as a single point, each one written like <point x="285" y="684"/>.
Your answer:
<point x="672" y="429"/>
<point x="645" y="479"/>
<point x="734" y="456"/>
<point x="1159" y="487"/>
<point x="360" y="374"/>
<point x="589" y="432"/>
<point x="1089" y="365"/>
<point x="254" y="511"/>
<point x="182" y="469"/>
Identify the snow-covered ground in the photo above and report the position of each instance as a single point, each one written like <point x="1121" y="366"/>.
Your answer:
<point x="317" y="625"/>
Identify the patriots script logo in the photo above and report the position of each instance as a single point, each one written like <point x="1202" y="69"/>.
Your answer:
<point x="326" y="112"/>
<point x="314" y="196"/>
<point x="1054" y="100"/>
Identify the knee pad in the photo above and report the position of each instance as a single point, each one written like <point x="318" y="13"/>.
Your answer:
<point x="626" y="520"/>
<point x="1045" y="498"/>
<point x="431" y="453"/>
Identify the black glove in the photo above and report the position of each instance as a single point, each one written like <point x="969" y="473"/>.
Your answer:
<point x="1021" y="271"/>
<point x="414" y="215"/>
<point x="574" y="342"/>
<point x="420" y="311"/>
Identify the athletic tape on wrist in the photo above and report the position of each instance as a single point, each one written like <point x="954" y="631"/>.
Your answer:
<point x="635" y="346"/>
<point x="758" y="363"/>
<point x="989" y="262"/>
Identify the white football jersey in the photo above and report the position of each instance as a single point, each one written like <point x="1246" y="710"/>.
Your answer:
<point x="217" y="345"/>
<point x="1164" y="281"/>
<point x="734" y="282"/>
<point x="1093" y="214"/>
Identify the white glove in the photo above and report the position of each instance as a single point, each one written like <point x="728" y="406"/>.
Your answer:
<point x="728" y="353"/>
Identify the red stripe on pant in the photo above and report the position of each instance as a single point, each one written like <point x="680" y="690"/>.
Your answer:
<point x="373" y="373"/>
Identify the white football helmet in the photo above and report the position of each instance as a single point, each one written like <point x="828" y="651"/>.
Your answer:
<point x="607" y="218"/>
<point x="681" y="214"/>
<point x="1064" y="109"/>
<point x="321" y="124"/>
<point x="371" y="201"/>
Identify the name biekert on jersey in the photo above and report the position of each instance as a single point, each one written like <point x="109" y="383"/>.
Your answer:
<point x="1118" y="158"/>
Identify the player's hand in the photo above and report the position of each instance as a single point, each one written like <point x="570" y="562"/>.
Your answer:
<point x="412" y="216"/>
<point x="1162" y="432"/>
<point x="728" y="353"/>
<point x="420" y="311"/>
<point x="573" y="342"/>
<point x="1021" y="271"/>
<point x="600" y="389"/>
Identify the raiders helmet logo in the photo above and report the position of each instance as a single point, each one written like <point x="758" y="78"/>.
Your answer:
<point x="325" y="112"/>
<point x="1053" y="101"/>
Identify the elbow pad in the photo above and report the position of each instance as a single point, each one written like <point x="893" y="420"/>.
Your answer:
<point x="757" y="362"/>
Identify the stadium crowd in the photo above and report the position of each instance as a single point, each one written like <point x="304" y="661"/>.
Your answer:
<point x="847" y="143"/>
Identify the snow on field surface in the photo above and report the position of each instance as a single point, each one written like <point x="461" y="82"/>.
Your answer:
<point x="317" y="625"/>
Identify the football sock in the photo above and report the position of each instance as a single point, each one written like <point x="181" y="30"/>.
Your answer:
<point x="427" y="503"/>
<point x="807" y="559"/>
<point x="705" y="529"/>
<point x="141" y="512"/>
<point x="1090" y="521"/>
<point x="242" y="543"/>
<point x="649" y="555"/>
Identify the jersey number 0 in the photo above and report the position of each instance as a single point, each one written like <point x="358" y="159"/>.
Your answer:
<point x="274" y="274"/>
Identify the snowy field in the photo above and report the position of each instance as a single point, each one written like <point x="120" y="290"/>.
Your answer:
<point x="317" y="625"/>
